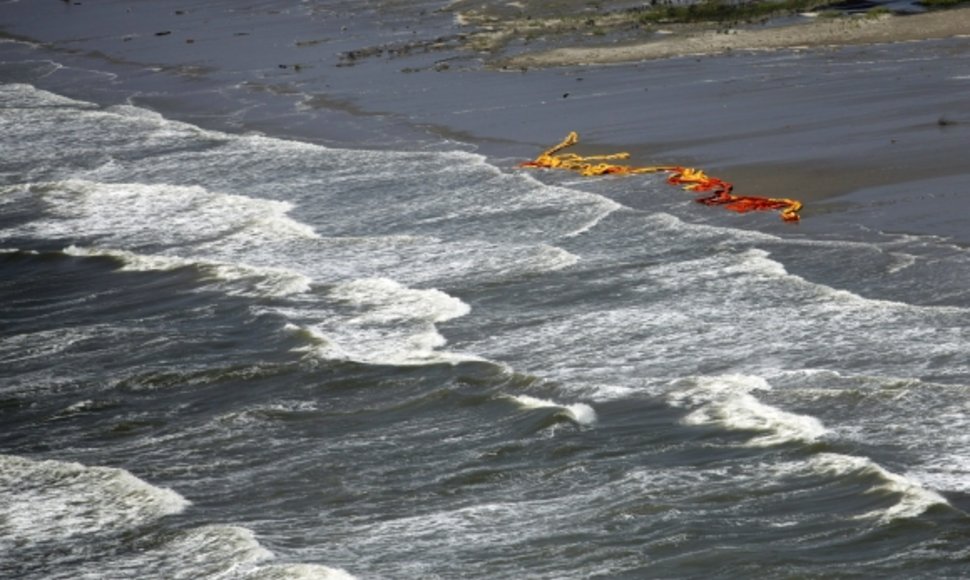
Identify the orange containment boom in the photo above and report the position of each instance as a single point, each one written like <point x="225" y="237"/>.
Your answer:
<point x="721" y="192"/>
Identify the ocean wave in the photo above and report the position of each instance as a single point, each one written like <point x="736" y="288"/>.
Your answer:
<point x="266" y="281"/>
<point x="726" y="402"/>
<point x="396" y="348"/>
<point x="298" y="572"/>
<point x="62" y="507"/>
<point x="131" y="215"/>
<point x="580" y="413"/>
<point x="913" y="499"/>
<point x="26" y="96"/>
<point x="387" y="300"/>
<point x="378" y="321"/>
<point x="39" y="345"/>
<point x="215" y="552"/>
<point x="758" y="268"/>
<point x="51" y="500"/>
<point x="161" y="193"/>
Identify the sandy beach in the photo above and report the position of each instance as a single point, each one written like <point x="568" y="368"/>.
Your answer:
<point x="810" y="32"/>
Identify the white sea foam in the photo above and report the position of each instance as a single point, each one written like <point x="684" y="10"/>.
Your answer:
<point x="215" y="550"/>
<point x="579" y="412"/>
<point x="46" y="344"/>
<point x="755" y="262"/>
<point x="948" y="471"/>
<point x="127" y="215"/>
<point x="519" y="260"/>
<point x="608" y="209"/>
<point x="727" y="402"/>
<point x="79" y="407"/>
<point x="19" y="95"/>
<point x="675" y="225"/>
<point x="591" y="208"/>
<point x="757" y="266"/>
<point x="908" y="499"/>
<point x="298" y="572"/>
<point x="380" y="321"/>
<point x="54" y="500"/>
<point x="218" y="552"/>
<point x="384" y="300"/>
<point x="260" y="414"/>
<point x="161" y="227"/>
<point x="901" y="261"/>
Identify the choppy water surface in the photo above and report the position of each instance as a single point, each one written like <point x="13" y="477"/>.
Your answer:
<point x="231" y="355"/>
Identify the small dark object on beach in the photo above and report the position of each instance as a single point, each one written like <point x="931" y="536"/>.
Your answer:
<point x="944" y="122"/>
<point x="179" y="12"/>
<point x="565" y="95"/>
<point x="163" y="33"/>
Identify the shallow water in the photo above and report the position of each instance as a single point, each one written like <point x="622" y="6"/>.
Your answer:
<point x="238" y="355"/>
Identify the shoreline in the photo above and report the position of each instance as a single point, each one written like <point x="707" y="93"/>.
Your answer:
<point x="810" y="124"/>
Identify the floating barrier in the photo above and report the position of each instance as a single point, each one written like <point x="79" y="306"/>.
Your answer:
<point x="721" y="192"/>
